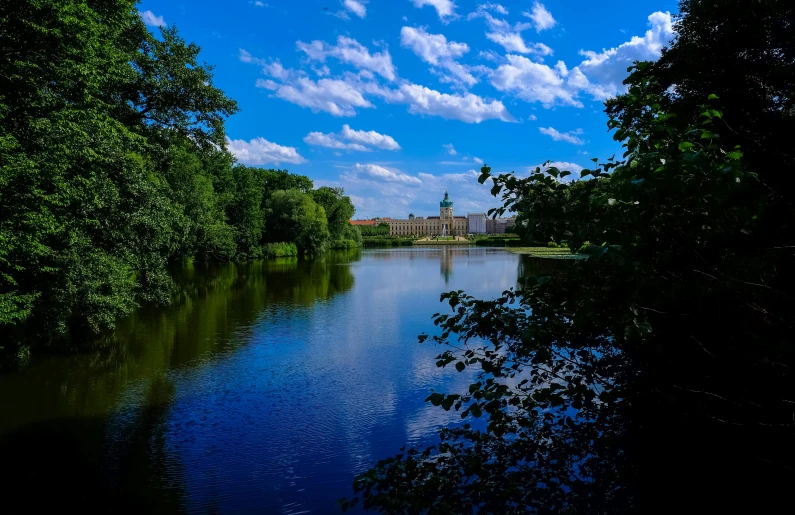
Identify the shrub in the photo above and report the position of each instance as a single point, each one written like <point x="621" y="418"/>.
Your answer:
<point x="280" y="249"/>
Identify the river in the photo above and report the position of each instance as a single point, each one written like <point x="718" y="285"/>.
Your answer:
<point x="264" y="388"/>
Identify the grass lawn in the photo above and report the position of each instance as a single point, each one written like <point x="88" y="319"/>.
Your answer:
<point x="543" y="252"/>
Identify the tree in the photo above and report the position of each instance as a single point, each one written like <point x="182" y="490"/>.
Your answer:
<point x="653" y="372"/>
<point x="339" y="209"/>
<point x="292" y="215"/>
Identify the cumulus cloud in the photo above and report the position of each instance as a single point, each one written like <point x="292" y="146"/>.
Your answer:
<point x="468" y="107"/>
<point x="336" y="97"/>
<point x="542" y="19"/>
<point x="431" y="48"/>
<point x="350" y="139"/>
<point x="569" y="137"/>
<point x="356" y="7"/>
<point x="606" y="70"/>
<point x="260" y="151"/>
<point x="150" y="19"/>
<point x="371" y="138"/>
<point x="435" y="50"/>
<point x="381" y="173"/>
<point x="477" y="160"/>
<point x="350" y="51"/>
<point x="450" y="149"/>
<point x="444" y="8"/>
<point x="535" y="82"/>
<point x="342" y="95"/>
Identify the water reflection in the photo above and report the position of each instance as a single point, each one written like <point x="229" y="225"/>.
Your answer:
<point x="265" y="387"/>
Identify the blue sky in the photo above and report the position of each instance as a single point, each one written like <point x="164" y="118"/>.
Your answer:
<point x="396" y="100"/>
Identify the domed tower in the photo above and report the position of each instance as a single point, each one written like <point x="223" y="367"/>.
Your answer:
<point x="446" y="207"/>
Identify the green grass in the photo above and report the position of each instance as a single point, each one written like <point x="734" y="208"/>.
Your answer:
<point x="544" y="252"/>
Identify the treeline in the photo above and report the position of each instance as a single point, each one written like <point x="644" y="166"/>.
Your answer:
<point x="113" y="167"/>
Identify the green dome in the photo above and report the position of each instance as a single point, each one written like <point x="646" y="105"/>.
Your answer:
<point x="446" y="202"/>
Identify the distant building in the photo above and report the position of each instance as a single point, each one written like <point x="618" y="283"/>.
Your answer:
<point x="444" y="224"/>
<point x="476" y="223"/>
<point x="498" y="226"/>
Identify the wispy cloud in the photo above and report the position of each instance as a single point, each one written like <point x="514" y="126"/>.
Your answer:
<point x="542" y="19"/>
<point x="150" y="19"/>
<point x="569" y="137"/>
<point x="450" y="149"/>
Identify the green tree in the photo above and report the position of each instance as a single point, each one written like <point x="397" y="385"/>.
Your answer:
<point x="292" y="215"/>
<point x="339" y="209"/>
<point x="91" y="211"/>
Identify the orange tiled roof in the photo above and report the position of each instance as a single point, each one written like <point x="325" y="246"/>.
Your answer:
<point x="363" y="222"/>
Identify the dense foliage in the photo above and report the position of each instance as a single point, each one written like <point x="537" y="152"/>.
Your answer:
<point x="381" y="229"/>
<point x="113" y="167"/>
<point x="655" y="375"/>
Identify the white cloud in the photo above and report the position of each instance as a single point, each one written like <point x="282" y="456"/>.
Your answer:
<point x="371" y="138"/>
<point x="468" y="107"/>
<point x="444" y="8"/>
<point x="356" y="7"/>
<point x="260" y="151"/>
<point x="331" y="141"/>
<point x="606" y="70"/>
<point x="569" y="137"/>
<point x="431" y="47"/>
<point x="542" y="19"/>
<point x="260" y="4"/>
<point x="450" y="149"/>
<point x="560" y="165"/>
<point x="350" y="51"/>
<point x="380" y="173"/>
<point x="434" y="49"/>
<point x="497" y="8"/>
<point x="363" y="141"/>
<point x="532" y="117"/>
<point x="535" y="82"/>
<point x="477" y="160"/>
<point x="337" y="97"/>
<point x="150" y="19"/>
<point x="508" y="36"/>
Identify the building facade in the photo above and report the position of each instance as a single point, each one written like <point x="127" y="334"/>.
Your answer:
<point x="498" y="225"/>
<point x="446" y="224"/>
<point x="476" y="223"/>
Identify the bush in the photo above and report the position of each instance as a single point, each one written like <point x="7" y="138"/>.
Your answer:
<point x="277" y="250"/>
<point x="343" y="244"/>
<point x="393" y="241"/>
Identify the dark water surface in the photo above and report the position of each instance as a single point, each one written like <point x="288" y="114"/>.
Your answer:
<point x="264" y="388"/>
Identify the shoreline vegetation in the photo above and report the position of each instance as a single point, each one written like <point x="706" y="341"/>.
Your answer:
<point x="115" y="170"/>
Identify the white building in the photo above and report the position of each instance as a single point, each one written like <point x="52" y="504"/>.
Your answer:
<point x="476" y="223"/>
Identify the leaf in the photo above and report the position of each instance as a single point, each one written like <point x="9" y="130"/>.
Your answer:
<point x="685" y="146"/>
<point x="460" y="366"/>
<point x="564" y="174"/>
<point x="734" y="155"/>
<point x="713" y="97"/>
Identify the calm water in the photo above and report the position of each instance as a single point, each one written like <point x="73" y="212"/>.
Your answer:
<point x="264" y="388"/>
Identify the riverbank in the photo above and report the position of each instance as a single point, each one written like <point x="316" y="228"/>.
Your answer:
<point x="544" y="252"/>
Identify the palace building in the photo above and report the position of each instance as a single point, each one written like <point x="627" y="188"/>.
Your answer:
<point x="446" y="224"/>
